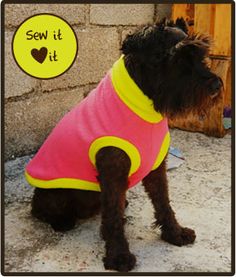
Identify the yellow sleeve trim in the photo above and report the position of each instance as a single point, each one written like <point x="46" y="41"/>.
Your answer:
<point x="163" y="151"/>
<point x="67" y="183"/>
<point x="124" y="145"/>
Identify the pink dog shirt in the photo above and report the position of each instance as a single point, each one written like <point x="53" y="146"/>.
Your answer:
<point x="116" y="113"/>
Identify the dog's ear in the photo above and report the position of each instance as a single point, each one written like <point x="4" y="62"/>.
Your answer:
<point x="195" y="45"/>
<point x="182" y="24"/>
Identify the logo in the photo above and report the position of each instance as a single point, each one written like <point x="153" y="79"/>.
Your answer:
<point x="44" y="46"/>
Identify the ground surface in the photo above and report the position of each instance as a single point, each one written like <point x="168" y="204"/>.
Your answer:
<point x="200" y="193"/>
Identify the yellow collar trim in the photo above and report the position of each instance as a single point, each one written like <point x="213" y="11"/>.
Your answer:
<point x="131" y="94"/>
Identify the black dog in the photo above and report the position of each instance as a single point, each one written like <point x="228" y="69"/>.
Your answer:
<point x="168" y="65"/>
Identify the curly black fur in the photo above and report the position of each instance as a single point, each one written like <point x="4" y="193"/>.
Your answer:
<point x="170" y="67"/>
<point x="156" y="186"/>
<point x="61" y="207"/>
<point x="168" y="64"/>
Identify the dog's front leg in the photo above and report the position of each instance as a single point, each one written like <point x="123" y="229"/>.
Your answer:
<point x="113" y="167"/>
<point x="156" y="186"/>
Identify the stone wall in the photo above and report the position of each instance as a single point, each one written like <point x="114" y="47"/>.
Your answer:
<point x="33" y="106"/>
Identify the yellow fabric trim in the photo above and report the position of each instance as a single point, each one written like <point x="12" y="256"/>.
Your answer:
<point x="126" y="146"/>
<point x="68" y="183"/>
<point x="163" y="151"/>
<point x="131" y="94"/>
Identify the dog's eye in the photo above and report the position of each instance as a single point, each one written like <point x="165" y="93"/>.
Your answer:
<point x="207" y="62"/>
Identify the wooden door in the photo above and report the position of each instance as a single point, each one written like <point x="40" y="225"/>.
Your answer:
<point x="214" y="20"/>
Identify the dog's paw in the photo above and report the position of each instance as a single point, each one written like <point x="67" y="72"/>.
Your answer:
<point x="121" y="262"/>
<point x="181" y="236"/>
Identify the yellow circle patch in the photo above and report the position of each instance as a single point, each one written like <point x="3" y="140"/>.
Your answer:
<point x="44" y="46"/>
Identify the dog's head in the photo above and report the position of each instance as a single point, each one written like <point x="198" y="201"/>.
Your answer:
<point x="170" y="66"/>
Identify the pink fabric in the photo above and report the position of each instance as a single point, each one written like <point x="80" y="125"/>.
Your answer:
<point x="65" y="152"/>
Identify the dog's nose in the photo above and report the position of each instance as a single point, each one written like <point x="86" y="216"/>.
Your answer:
<point x="216" y="85"/>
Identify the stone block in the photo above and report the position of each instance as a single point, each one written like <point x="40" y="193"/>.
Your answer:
<point x="121" y="14"/>
<point x="16" y="13"/>
<point x="98" y="48"/>
<point x="163" y="10"/>
<point x="28" y="122"/>
<point x="16" y="81"/>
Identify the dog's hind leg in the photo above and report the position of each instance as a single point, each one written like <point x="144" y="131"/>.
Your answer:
<point x="56" y="207"/>
<point x="156" y="186"/>
<point x="61" y="207"/>
<point x="113" y="167"/>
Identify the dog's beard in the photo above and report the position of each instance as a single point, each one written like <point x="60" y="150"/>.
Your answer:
<point x="199" y="107"/>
